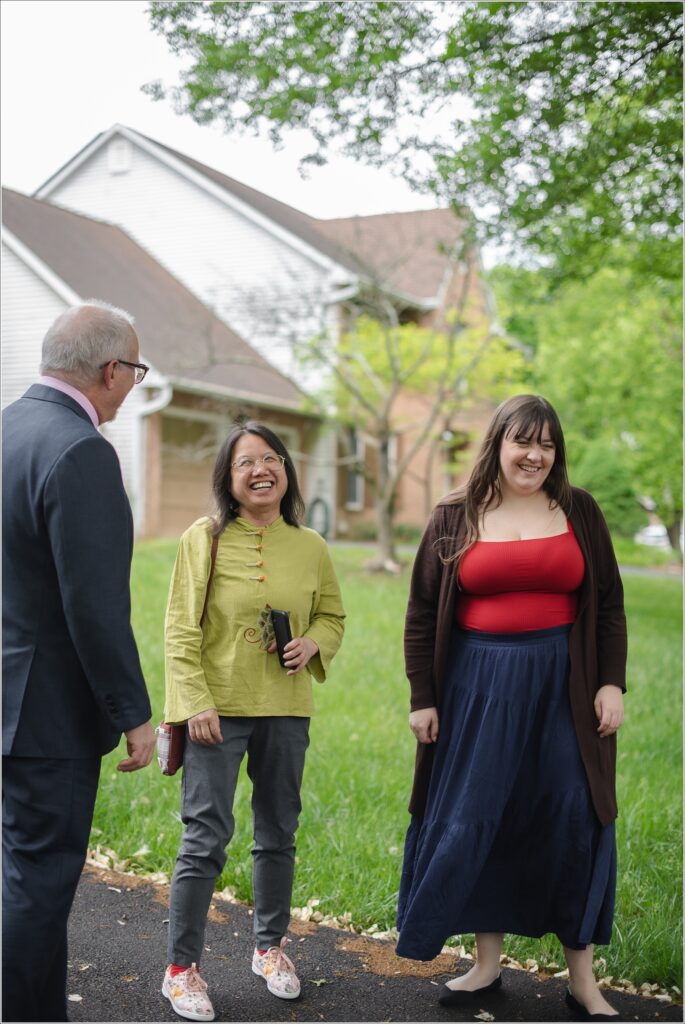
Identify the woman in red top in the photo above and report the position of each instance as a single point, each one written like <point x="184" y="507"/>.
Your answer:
<point x="508" y="837"/>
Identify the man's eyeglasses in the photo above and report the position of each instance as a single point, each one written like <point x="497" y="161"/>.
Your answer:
<point x="140" y="368"/>
<point x="268" y="461"/>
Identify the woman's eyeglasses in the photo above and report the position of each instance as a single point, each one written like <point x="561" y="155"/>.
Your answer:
<point x="245" y="464"/>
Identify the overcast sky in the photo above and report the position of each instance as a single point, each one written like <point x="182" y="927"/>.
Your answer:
<point x="72" y="69"/>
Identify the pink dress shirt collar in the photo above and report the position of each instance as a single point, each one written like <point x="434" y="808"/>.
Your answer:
<point x="78" y="396"/>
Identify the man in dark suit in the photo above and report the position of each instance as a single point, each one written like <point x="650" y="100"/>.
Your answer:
<point x="72" y="682"/>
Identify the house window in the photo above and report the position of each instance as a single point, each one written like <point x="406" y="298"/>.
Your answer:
<point x="119" y="156"/>
<point x="354" y="488"/>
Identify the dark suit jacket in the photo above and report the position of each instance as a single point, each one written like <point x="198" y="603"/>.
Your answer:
<point x="72" y="681"/>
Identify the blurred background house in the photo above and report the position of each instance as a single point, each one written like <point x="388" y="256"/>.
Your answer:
<point x="202" y="376"/>
<point x="227" y="284"/>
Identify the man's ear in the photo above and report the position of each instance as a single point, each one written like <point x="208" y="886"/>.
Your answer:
<point x="108" y="374"/>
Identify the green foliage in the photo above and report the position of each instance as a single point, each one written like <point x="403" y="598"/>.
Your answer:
<point x="375" y="362"/>
<point x="601" y="471"/>
<point x="406" y="533"/>
<point x="564" y="118"/>
<point x="323" y="67"/>
<point x="576" y="139"/>
<point x="400" y="385"/>
<point x="360" y="762"/>
<point x="608" y="356"/>
<point x="519" y="294"/>
<point x="629" y="553"/>
<point x="403" y="533"/>
<point x="362" y="531"/>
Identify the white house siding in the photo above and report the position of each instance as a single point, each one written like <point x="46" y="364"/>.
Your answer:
<point x="125" y="433"/>
<point x="267" y="291"/>
<point x="29" y="306"/>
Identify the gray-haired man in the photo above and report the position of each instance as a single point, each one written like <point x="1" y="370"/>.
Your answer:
<point x="72" y="682"/>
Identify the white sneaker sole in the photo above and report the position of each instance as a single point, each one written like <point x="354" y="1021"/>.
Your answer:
<point x="279" y="995"/>
<point x="187" y="1014"/>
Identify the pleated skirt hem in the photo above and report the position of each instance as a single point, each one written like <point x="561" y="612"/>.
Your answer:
<point x="509" y="841"/>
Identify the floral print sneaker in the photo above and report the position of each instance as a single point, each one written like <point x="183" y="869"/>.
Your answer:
<point x="278" y="971"/>
<point x="187" y="993"/>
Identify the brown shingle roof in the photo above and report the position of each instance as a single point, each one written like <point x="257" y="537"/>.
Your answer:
<point x="405" y="252"/>
<point x="408" y="252"/>
<point x="180" y="336"/>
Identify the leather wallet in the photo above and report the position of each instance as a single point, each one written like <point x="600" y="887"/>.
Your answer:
<point x="171" y="741"/>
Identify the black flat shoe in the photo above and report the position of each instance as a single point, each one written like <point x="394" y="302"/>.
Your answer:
<point x="460" y="996"/>
<point x="581" y="1012"/>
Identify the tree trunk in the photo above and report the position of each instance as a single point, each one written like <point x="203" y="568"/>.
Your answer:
<point x="673" y="529"/>
<point x="385" y="559"/>
<point x="386" y="556"/>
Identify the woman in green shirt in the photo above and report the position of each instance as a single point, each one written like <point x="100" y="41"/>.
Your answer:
<point x="224" y="679"/>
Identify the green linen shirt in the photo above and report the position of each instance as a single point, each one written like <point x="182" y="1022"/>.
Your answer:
<point x="223" y="664"/>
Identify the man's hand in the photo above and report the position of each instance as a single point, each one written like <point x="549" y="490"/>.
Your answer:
<point x="609" y="709"/>
<point x="140" y="743"/>
<point x="205" y="728"/>
<point x="424" y="724"/>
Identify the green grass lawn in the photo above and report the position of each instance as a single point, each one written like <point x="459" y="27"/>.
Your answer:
<point x="359" y="771"/>
<point x="630" y="553"/>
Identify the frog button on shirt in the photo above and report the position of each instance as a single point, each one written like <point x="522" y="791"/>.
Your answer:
<point x="224" y="665"/>
<point x="259" y="548"/>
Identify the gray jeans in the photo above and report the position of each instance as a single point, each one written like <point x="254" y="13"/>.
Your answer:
<point x="275" y="763"/>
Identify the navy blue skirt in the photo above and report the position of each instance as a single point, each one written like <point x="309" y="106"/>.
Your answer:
<point x="509" y="841"/>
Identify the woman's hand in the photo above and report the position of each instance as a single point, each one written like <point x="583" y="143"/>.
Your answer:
<point x="609" y="709"/>
<point x="424" y="724"/>
<point x="297" y="652"/>
<point x="205" y="728"/>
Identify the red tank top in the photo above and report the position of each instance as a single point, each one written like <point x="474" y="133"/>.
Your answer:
<point x="511" y="586"/>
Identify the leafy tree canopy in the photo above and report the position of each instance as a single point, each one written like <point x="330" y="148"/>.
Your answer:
<point x="375" y="363"/>
<point x="603" y="473"/>
<point x="608" y="355"/>
<point x="560" y="122"/>
<point x="402" y="386"/>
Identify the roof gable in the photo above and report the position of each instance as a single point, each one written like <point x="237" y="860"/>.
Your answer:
<point x="183" y="339"/>
<point x="293" y="220"/>
<point x="413" y="254"/>
<point x="319" y="250"/>
<point x="408" y="254"/>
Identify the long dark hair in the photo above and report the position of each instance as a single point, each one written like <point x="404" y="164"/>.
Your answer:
<point x="227" y="509"/>
<point x="523" y="416"/>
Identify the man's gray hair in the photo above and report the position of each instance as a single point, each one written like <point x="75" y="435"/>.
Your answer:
<point x="83" y="338"/>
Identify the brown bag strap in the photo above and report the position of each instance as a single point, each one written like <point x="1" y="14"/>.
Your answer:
<point x="212" y="563"/>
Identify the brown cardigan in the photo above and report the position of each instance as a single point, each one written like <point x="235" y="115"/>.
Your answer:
<point x="597" y="641"/>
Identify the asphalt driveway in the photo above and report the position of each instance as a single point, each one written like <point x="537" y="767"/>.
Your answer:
<point x="118" y="956"/>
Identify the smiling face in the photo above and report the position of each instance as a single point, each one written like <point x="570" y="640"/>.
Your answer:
<point x="259" y="489"/>
<point x="526" y="461"/>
